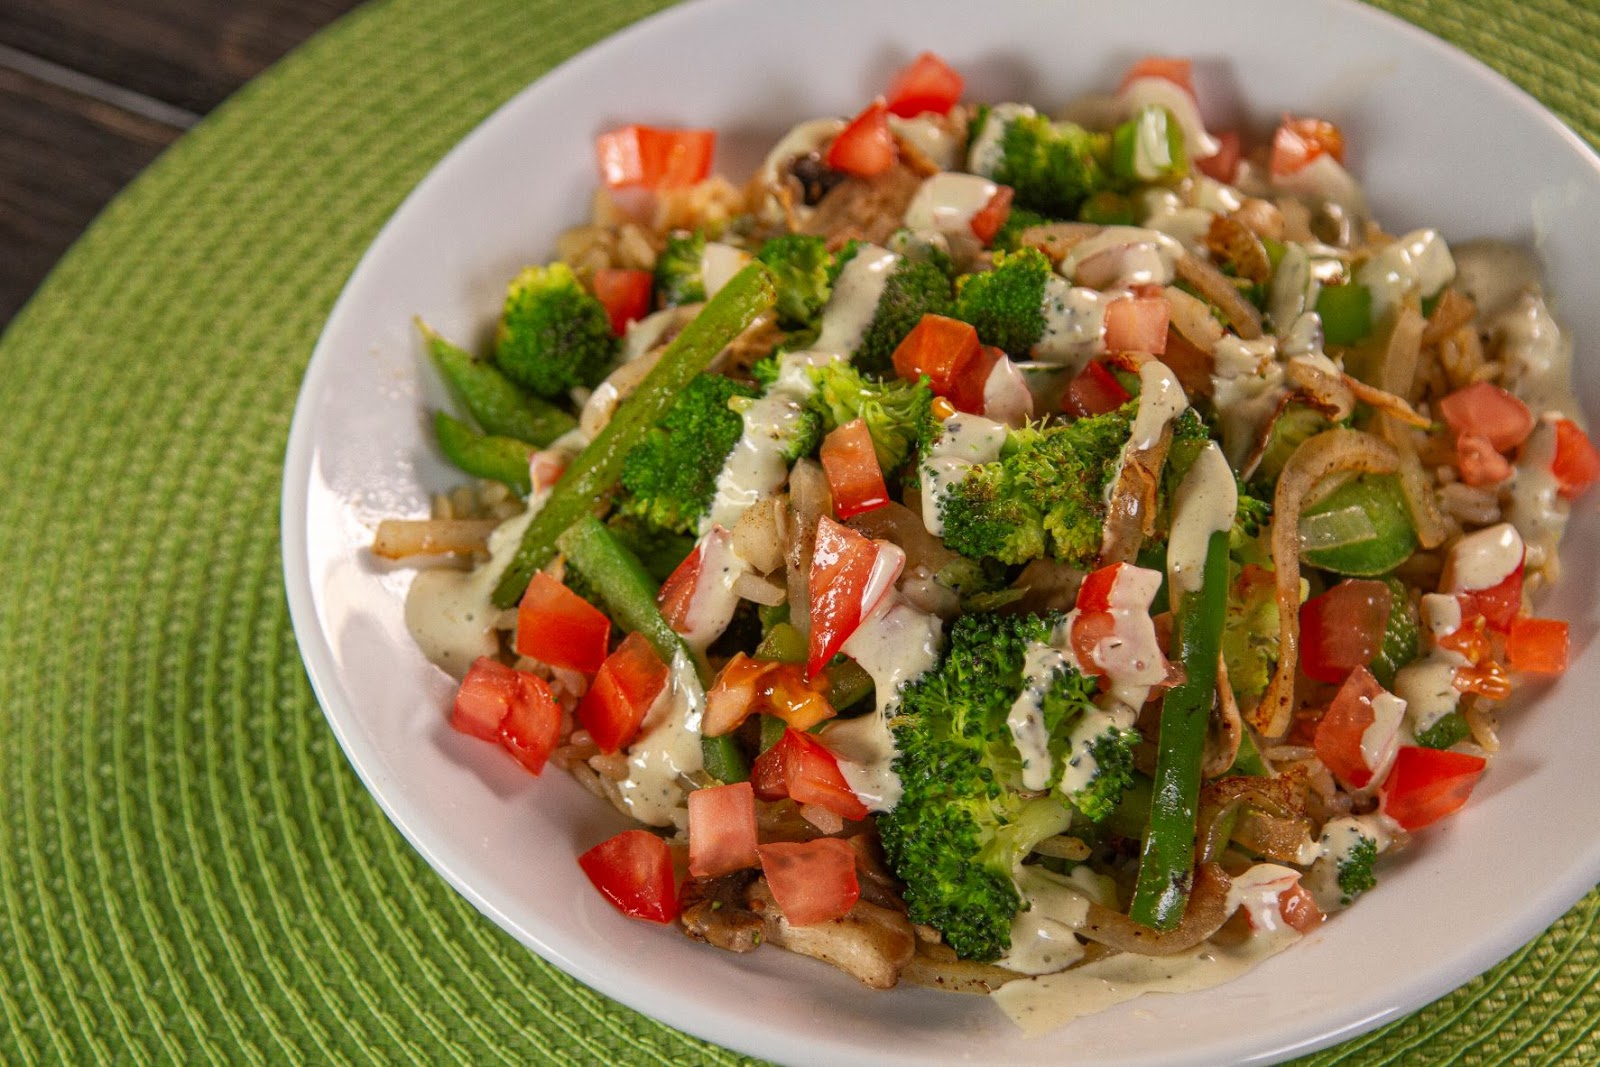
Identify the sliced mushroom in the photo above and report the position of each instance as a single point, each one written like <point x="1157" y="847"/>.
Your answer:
<point x="1056" y="239"/>
<point x="870" y="943"/>
<point x="1131" y="509"/>
<point x="714" y="912"/>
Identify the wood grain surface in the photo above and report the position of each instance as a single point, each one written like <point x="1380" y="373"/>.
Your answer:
<point x="92" y="90"/>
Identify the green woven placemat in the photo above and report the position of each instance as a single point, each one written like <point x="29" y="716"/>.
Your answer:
<point x="189" y="871"/>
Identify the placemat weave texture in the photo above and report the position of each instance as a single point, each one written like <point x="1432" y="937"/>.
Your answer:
<point x="189" y="870"/>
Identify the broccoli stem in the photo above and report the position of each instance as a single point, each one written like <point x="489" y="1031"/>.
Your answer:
<point x="498" y="404"/>
<point x="501" y="459"/>
<point x="596" y="469"/>
<point x="630" y="598"/>
<point x="1167" y="860"/>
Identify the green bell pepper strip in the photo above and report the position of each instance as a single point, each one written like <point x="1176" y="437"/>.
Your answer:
<point x="497" y="403"/>
<point x="594" y="472"/>
<point x="1346" y="312"/>
<point x="502" y="459"/>
<point x="1166" y="863"/>
<point x="1154" y="129"/>
<point x="630" y="599"/>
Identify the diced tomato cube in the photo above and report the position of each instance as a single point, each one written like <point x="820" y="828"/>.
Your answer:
<point x="1175" y="69"/>
<point x="1338" y="739"/>
<point x="1299" y="909"/>
<point x="1480" y="464"/>
<point x="1577" y="464"/>
<point x="532" y="727"/>
<point x="1089" y="628"/>
<point x="987" y="222"/>
<point x="1137" y="324"/>
<point x="1427" y="784"/>
<point x="653" y="158"/>
<point x="854" y="477"/>
<point x="625" y="295"/>
<point x="1224" y="165"/>
<point x="677" y="592"/>
<point x="1489" y="412"/>
<point x="866" y="147"/>
<point x="722" y="829"/>
<point x="485" y="698"/>
<point x="627" y="684"/>
<point x="812" y="881"/>
<point x="1095" y="592"/>
<point x="1343" y="628"/>
<point x="801" y="767"/>
<point x="558" y="627"/>
<point x="927" y="83"/>
<point x="1498" y="605"/>
<point x="948" y="353"/>
<point x="1299" y="142"/>
<point x="1537" y="646"/>
<point x="840" y="568"/>
<point x="1094" y="391"/>
<point x="634" y="871"/>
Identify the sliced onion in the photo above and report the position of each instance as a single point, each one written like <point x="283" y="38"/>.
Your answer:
<point x="759" y="590"/>
<point x="400" y="538"/>
<point x="1335" y="529"/>
<point x="809" y="500"/>
<point x="1215" y="287"/>
<point x="1207" y="911"/>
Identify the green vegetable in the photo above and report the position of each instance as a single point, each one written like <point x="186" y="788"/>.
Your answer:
<point x="963" y="821"/>
<point x="772" y="729"/>
<point x="554" y="335"/>
<point x="670" y="477"/>
<point x="1248" y="761"/>
<point x="913" y="289"/>
<point x="680" y="278"/>
<point x="1166" y="863"/>
<point x="782" y="644"/>
<point x="1006" y="304"/>
<point x="1294" y="426"/>
<point x="848" y="683"/>
<point x="1401" y="636"/>
<point x="1250" y="635"/>
<point x="1108" y="209"/>
<point x="1132" y="813"/>
<point x="1394" y="537"/>
<point x="893" y="409"/>
<point x="723" y="759"/>
<point x="1346" y="312"/>
<point x="1053" y="167"/>
<point x="1355" y="870"/>
<point x="1149" y="147"/>
<point x="660" y="551"/>
<point x="799" y="264"/>
<point x="1008" y="238"/>
<point x="501" y="459"/>
<point x="493" y="400"/>
<point x="1451" y="729"/>
<point x="596" y="469"/>
<point x="1044" y="496"/>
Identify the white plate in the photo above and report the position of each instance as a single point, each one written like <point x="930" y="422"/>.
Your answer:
<point x="1438" y="139"/>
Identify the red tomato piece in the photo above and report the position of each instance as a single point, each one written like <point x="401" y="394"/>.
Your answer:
<point x="1095" y="592"/>
<point x="625" y="295"/>
<point x="677" y="592"/>
<point x="1577" y="464"/>
<point x="1537" y="646"/>
<point x="1427" y="784"/>
<point x="634" y="871"/>
<point x="1338" y="740"/>
<point x="654" y="158"/>
<point x="722" y="830"/>
<point x="854" y="477"/>
<point x="1088" y="630"/>
<point x="747" y="686"/>
<point x="485" y="698"/>
<point x="1489" y="412"/>
<point x="559" y="627"/>
<point x="1498" y="605"/>
<point x="627" y="684"/>
<point x="1137" y="324"/>
<point x="1299" y="910"/>
<point x="987" y="222"/>
<point x="864" y="148"/>
<point x="927" y="83"/>
<point x="947" y="352"/>
<point x="801" y="767"/>
<point x="812" y="881"/>
<point x="1478" y="461"/>
<point x="532" y="727"/>
<point x="1178" y="71"/>
<point x="1224" y="165"/>
<point x="1094" y="391"/>
<point x="840" y="567"/>
<point x="1300" y="142"/>
<point x="1343" y="628"/>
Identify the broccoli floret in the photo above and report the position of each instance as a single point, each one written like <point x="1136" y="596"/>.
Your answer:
<point x="1106" y="748"/>
<point x="553" y="334"/>
<point x="1006" y="304"/>
<point x="680" y="278"/>
<point x="1052" y="166"/>
<point x="1251" y="516"/>
<point x="1250" y="631"/>
<point x="923" y="245"/>
<point x="1045" y="495"/>
<point x="893" y="409"/>
<point x="1450" y="730"/>
<point x="659" y="550"/>
<point x="1008" y="237"/>
<point x="913" y="289"/>
<point x="1355" y="870"/>
<point x="800" y="265"/>
<point x="669" y="478"/>
<point x="963" y="822"/>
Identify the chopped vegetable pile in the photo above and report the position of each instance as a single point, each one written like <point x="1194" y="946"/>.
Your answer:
<point x="982" y="545"/>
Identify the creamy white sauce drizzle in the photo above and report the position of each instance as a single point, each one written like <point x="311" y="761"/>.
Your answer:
<point x="1340" y="837"/>
<point x="1042" y="933"/>
<point x="667" y="750"/>
<point x="932" y="135"/>
<point x="1123" y="256"/>
<point x="1141" y="92"/>
<point x="1536" y="507"/>
<point x="1080" y="766"/>
<point x="1040" y="666"/>
<point x="1074" y="323"/>
<point x="1130" y="656"/>
<point x="1258" y="891"/>
<point x="1428" y="688"/>
<point x="983" y="155"/>
<point x="1205" y="503"/>
<point x="1293" y="290"/>
<point x="1381" y="740"/>
<point x="1538" y="354"/>
<point x="756" y="468"/>
<point x="1247" y="385"/>
<point x="449" y="612"/>
<point x="854" y="299"/>
<point x="947" y="201"/>
<point x="965" y="442"/>
<point x="1420" y="260"/>
<point x="1484" y="558"/>
<point x="1006" y="396"/>
<point x="718" y="263"/>
<point x="713" y="602"/>
<point x="1152" y="151"/>
<point x="1161" y="399"/>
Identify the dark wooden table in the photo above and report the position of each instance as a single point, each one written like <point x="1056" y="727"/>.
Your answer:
<point x="92" y="90"/>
